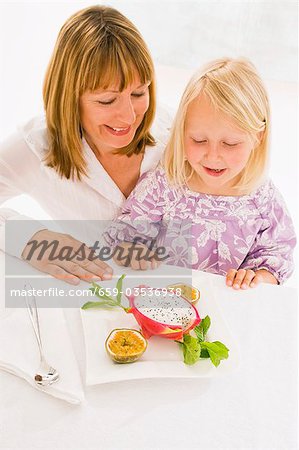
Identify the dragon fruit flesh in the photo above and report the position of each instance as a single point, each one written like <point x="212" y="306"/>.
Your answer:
<point x="169" y="316"/>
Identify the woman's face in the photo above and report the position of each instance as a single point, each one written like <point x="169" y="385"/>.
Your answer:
<point x="110" y="118"/>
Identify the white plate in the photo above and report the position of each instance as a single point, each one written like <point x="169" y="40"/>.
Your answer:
<point x="163" y="358"/>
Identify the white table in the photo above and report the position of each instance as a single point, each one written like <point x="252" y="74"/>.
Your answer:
<point x="252" y="408"/>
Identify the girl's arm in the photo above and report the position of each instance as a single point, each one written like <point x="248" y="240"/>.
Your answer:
<point x="270" y="259"/>
<point x="138" y="227"/>
<point x="244" y="278"/>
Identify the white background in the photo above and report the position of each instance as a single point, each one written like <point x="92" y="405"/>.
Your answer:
<point x="181" y="35"/>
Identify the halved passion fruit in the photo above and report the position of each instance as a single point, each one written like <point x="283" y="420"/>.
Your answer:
<point x="188" y="292"/>
<point x="125" y="346"/>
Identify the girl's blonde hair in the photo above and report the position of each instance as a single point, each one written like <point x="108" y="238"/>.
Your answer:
<point x="96" y="47"/>
<point x="234" y="87"/>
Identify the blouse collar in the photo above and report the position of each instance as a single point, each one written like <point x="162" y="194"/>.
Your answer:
<point x="100" y="180"/>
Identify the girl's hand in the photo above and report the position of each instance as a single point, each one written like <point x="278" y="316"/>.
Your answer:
<point x="65" y="258"/>
<point x="244" y="279"/>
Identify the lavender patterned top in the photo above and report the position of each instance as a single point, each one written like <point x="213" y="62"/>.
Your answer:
<point x="208" y="232"/>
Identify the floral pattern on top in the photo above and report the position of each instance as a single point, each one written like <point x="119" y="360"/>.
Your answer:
<point x="208" y="232"/>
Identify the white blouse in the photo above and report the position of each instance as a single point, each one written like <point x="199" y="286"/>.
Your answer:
<point x="95" y="198"/>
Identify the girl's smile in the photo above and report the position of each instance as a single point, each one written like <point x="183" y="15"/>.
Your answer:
<point x="214" y="172"/>
<point x="215" y="147"/>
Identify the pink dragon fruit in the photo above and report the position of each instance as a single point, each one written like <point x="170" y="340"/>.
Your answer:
<point x="169" y="316"/>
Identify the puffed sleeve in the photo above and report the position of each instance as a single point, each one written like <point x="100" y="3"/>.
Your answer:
<point x="275" y="241"/>
<point x="140" y="219"/>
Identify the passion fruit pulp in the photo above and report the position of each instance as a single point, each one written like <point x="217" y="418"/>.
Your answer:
<point x="188" y="292"/>
<point x="124" y="345"/>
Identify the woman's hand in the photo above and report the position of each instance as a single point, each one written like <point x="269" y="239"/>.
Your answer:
<point x="136" y="256"/>
<point x="248" y="278"/>
<point x="65" y="258"/>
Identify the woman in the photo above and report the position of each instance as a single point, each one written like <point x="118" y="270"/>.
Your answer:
<point x="85" y="158"/>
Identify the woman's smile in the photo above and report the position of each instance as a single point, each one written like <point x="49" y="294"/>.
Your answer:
<point x="117" y="131"/>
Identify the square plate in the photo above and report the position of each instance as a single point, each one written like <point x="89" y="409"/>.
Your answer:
<point x="163" y="358"/>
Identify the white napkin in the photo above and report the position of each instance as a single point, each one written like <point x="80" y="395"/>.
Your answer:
<point x="19" y="352"/>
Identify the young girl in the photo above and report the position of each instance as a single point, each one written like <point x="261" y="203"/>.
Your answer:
<point x="226" y="217"/>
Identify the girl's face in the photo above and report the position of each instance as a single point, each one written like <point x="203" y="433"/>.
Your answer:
<point x="215" y="147"/>
<point x="110" y="118"/>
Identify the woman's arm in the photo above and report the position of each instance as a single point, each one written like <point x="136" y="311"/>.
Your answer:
<point x="20" y="235"/>
<point x="17" y="167"/>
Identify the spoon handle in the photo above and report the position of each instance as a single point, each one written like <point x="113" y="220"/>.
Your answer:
<point x="33" y="314"/>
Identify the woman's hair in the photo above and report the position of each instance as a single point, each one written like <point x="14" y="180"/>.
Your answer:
<point x="233" y="87"/>
<point x="95" y="47"/>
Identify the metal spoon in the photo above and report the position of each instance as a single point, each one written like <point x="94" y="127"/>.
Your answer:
<point x="46" y="374"/>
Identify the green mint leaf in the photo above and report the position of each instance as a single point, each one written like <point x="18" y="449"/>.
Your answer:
<point x="202" y="329"/>
<point x="107" y="301"/>
<point x="213" y="353"/>
<point x="95" y="288"/>
<point x="223" y="350"/>
<point x="119" y="286"/>
<point x="217" y="347"/>
<point x="217" y="351"/>
<point x="206" y="322"/>
<point x="199" y="333"/>
<point x="191" y="349"/>
<point x="100" y="292"/>
<point x="204" y="353"/>
<point x="90" y="305"/>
